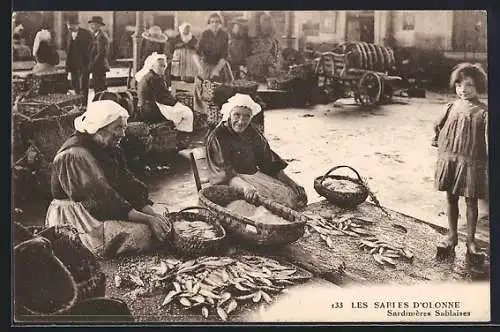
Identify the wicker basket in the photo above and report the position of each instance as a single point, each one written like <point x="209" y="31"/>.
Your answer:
<point x="227" y="90"/>
<point x="242" y="229"/>
<point x="193" y="246"/>
<point x="49" y="133"/>
<point x="185" y="98"/>
<point x="18" y="87"/>
<point x="209" y="89"/>
<point x="52" y="82"/>
<point x="164" y="137"/>
<point x="342" y="199"/>
<point x="280" y="83"/>
<point x="37" y="106"/>
<point x="84" y="267"/>
<point x="249" y="87"/>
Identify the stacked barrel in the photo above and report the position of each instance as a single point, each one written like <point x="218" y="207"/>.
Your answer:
<point x="368" y="56"/>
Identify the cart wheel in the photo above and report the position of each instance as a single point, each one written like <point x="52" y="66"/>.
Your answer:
<point x="370" y="89"/>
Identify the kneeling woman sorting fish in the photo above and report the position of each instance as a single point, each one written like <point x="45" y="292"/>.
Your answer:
<point x="240" y="156"/>
<point x="94" y="191"/>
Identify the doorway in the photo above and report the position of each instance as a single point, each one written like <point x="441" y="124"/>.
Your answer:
<point x="360" y="26"/>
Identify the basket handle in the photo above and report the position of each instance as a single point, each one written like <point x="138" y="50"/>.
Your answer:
<point x="197" y="208"/>
<point x="337" y="167"/>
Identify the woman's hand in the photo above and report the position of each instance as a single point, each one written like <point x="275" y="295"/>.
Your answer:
<point x="160" y="227"/>
<point x="301" y="193"/>
<point x="250" y="194"/>
<point x="148" y="209"/>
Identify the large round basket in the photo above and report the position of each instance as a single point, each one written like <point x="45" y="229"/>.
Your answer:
<point x="83" y="265"/>
<point x="241" y="229"/>
<point x="243" y="86"/>
<point x="344" y="199"/>
<point x="194" y="246"/>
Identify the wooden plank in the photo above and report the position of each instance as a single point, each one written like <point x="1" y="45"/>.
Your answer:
<point x="317" y="260"/>
<point x="420" y="237"/>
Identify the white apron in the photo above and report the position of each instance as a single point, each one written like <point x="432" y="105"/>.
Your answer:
<point x="179" y="114"/>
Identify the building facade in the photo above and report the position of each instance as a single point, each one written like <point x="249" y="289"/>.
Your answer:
<point x="457" y="33"/>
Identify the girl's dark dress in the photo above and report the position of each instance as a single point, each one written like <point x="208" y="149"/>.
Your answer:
<point x="462" y="165"/>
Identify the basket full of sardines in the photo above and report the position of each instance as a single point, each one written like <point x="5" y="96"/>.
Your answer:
<point x="262" y="223"/>
<point x="341" y="190"/>
<point x="196" y="233"/>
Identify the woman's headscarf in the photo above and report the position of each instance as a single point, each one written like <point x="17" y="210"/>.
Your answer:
<point x="99" y="114"/>
<point x="239" y="99"/>
<point x="148" y="65"/>
<point x="42" y="35"/>
<point x="189" y="36"/>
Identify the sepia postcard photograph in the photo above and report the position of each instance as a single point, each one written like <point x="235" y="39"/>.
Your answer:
<point x="228" y="167"/>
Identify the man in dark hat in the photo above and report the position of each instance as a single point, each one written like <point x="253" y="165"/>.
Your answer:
<point x="78" y="57"/>
<point x="99" y="64"/>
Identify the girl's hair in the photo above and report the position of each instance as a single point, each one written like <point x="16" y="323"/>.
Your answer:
<point x="474" y="71"/>
<point x="214" y="15"/>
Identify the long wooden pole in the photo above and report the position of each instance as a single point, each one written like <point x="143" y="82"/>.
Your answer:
<point x="137" y="39"/>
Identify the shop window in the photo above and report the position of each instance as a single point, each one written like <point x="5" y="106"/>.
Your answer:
<point x="329" y="22"/>
<point x="310" y="29"/>
<point x="408" y="22"/>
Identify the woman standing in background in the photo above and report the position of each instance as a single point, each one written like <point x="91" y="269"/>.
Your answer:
<point x="154" y="41"/>
<point x="239" y="47"/>
<point x="265" y="51"/>
<point x="211" y="60"/>
<point x="45" y="52"/>
<point x="184" y="48"/>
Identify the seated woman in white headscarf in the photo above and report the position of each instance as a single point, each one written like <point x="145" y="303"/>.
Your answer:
<point x="240" y="156"/>
<point x="45" y="52"/>
<point x="94" y="191"/>
<point x="155" y="102"/>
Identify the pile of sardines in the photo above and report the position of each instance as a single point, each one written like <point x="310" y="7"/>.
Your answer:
<point x="209" y="285"/>
<point x="383" y="252"/>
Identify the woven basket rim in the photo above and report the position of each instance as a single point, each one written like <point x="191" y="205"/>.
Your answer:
<point x="362" y="187"/>
<point x="70" y="278"/>
<point x="240" y="218"/>
<point x="215" y="224"/>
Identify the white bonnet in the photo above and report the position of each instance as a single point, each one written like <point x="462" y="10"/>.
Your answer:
<point x="239" y="99"/>
<point x="99" y="114"/>
<point x="148" y="64"/>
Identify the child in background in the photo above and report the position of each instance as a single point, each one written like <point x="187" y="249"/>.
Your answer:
<point x="462" y="141"/>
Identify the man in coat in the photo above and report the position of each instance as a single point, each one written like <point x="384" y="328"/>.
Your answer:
<point x="99" y="64"/>
<point x="80" y="43"/>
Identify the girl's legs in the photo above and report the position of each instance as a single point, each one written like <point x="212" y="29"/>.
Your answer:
<point x="472" y="209"/>
<point x="452" y="238"/>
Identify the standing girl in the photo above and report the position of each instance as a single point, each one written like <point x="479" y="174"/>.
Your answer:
<point x="462" y="141"/>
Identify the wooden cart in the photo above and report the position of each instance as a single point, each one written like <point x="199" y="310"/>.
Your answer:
<point x="359" y="70"/>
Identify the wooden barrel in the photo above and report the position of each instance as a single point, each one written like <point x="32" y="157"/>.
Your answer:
<point x="369" y="56"/>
